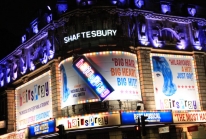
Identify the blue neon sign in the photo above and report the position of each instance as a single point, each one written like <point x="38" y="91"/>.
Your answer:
<point x="42" y="128"/>
<point x="92" y="77"/>
<point x="153" y="117"/>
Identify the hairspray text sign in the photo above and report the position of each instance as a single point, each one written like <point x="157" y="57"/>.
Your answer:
<point x="89" y="121"/>
<point x="174" y="82"/>
<point x="33" y="101"/>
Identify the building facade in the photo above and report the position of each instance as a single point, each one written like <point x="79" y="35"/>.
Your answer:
<point x="96" y="66"/>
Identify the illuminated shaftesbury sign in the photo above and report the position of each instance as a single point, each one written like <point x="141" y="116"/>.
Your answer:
<point x="92" y="77"/>
<point x="90" y="34"/>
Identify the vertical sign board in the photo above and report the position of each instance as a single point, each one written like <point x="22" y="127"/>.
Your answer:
<point x="89" y="121"/>
<point x="46" y="127"/>
<point x="174" y="80"/>
<point x="95" y="80"/>
<point x="128" y="118"/>
<point x="33" y="101"/>
<point x="99" y="76"/>
<point x="165" y="129"/>
<point x="3" y="124"/>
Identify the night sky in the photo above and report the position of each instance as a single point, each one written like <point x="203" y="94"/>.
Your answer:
<point x="15" y="16"/>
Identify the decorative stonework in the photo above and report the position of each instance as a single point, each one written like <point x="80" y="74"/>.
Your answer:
<point x="145" y="78"/>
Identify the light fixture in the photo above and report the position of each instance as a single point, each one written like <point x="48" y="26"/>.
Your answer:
<point x="104" y="127"/>
<point x="23" y="38"/>
<point x="49" y="8"/>
<point x="126" y="126"/>
<point x="138" y="107"/>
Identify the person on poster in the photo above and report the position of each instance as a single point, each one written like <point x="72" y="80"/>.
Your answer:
<point x="161" y="65"/>
<point x="64" y="81"/>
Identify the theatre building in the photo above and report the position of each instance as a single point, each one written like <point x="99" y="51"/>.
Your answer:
<point x="95" y="67"/>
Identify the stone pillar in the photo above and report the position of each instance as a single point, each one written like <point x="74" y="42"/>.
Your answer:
<point x="11" y="125"/>
<point x="146" y="82"/>
<point x="200" y="64"/>
<point x="55" y="89"/>
<point x="115" y="135"/>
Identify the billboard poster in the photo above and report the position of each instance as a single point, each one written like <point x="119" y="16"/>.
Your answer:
<point x="33" y="101"/>
<point x="21" y="134"/>
<point x="99" y="76"/>
<point x="174" y="81"/>
<point x="189" y="116"/>
<point x="154" y="117"/>
<point x="89" y="121"/>
<point x="42" y="128"/>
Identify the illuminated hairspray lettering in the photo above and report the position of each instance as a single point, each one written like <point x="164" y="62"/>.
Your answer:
<point x="92" y="77"/>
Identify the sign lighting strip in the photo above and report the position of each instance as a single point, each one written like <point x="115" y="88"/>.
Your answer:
<point x="92" y="114"/>
<point x="129" y="111"/>
<point x="31" y="81"/>
<point x="100" y="53"/>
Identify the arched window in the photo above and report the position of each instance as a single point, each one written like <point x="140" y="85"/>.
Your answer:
<point x="169" y="36"/>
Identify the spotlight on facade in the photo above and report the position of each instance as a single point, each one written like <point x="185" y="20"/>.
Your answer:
<point x="114" y="2"/>
<point x="165" y="7"/>
<point x="2" y="78"/>
<point x="32" y="66"/>
<point x="198" y="47"/>
<point x="139" y="3"/>
<point x="23" y="38"/>
<point x="49" y="8"/>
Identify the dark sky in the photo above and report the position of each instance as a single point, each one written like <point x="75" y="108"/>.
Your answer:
<point x="15" y="16"/>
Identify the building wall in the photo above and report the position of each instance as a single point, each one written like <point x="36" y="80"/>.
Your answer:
<point x="139" y="32"/>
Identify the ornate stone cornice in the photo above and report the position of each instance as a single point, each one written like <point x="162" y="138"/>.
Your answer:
<point x="135" y="12"/>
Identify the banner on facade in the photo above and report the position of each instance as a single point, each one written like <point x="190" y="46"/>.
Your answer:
<point x="42" y="128"/>
<point x="3" y="124"/>
<point x="189" y="117"/>
<point x="90" y="121"/>
<point x="155" y="117"/>
<point x="34" y="103"/>
<point x="99" y="76"/>
<point x="22" y="134"/>
<point x="174" y="81"/>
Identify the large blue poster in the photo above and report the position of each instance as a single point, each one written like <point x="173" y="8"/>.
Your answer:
<point x="175" y="83"/>
<point x="153" y="117"/>
<point x="42" y="128"/>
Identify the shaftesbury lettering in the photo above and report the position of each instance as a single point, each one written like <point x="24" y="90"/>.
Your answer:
<point x="90" y="34"/>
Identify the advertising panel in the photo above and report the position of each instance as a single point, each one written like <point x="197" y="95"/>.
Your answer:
<point x="174" y="81"/>
<point x="46" y="127"/>
<point x="109" y="75"/>
<point x="155" y="117"/>
<point x="2" y="124"/>
<point x="165" y="129"/>
<point x="189" y="117"/>
<point x="33" y="101"/>
<point x="22" y="134"/>
<point x="89" y="121"/>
